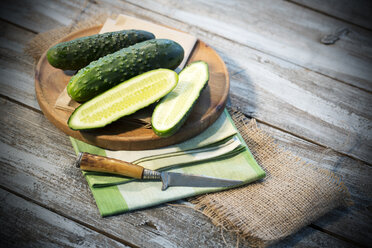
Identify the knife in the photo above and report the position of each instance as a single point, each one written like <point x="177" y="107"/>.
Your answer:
<point x="90" y="162"/>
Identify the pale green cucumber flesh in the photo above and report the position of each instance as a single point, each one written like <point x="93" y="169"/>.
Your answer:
<point x="114" y="68"/>
<point x="123" y="99"/>
<point x="172" y="111"/>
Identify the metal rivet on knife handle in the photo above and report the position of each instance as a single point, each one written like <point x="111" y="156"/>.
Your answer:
<point x="151" y="175"/>
<point x="78" y="159"/>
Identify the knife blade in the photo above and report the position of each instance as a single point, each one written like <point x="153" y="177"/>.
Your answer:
<point x="90" y="162"/>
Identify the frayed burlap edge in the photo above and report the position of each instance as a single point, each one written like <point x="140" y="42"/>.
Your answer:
<point x="255" y="213"/>
<point x="293" y="194"/>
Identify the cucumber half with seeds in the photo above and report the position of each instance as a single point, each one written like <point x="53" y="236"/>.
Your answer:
<point x="123" y="99"/>
<point x="108" y="71"/>
<point x="173" y="110"/>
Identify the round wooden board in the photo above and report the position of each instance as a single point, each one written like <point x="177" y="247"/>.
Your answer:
<point x="50" y="82"/>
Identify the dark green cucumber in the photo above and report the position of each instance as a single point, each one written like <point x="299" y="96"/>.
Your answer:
<point x="108" y="71"/>
<point x="173" y="110"/>
<point x="78" y="53"/>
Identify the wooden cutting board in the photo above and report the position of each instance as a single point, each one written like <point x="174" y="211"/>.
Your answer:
<point x="125" y="134"/>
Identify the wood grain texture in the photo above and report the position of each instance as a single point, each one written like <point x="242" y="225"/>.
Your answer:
<point x="16" y="68"/>
<point x="46" y="174"/>
<point x="25" y="224"/>
<point x="340" y="111"/>
<point x="357" y="11"/>
<point x="38" y="165"/>
<point x="290" y="97"/>
<point x="261" y="26"/>
<point x="55" y="13"/>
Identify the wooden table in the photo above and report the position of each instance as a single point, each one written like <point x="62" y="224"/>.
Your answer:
<point x="315" y="99"/>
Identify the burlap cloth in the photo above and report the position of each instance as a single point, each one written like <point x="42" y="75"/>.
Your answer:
<point x="292" y="195"/>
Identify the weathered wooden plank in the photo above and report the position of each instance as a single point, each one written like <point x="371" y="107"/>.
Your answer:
<point x="25" y="224"/>
<point x="290" y="97"/>
<point x="357" y="11"/>
<point x="262" y="26"/>
<point x="38" y="15"/>
<point x="281" y="29"/>
<point x="301" y="102"/>
<point x="264" y="59"/>
<point x="44" y="172"/>
<point x="282" y="94"/>
<point x="307" y="238"/>
<point x="16" y="68"/>
<point x="37" y="161"/>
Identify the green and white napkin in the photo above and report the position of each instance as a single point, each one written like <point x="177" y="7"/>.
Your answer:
<point x="219" y="152"/>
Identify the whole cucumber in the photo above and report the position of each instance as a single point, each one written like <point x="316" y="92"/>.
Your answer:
<point x="112" y="69"/>
<point x="78" y="53"/>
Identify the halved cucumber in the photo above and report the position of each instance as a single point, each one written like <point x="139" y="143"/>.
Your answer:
<point x="173" y="110"/>
<point x="124" y="99"/>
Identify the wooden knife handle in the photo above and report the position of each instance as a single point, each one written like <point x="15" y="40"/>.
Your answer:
<point x="90" y="162"/>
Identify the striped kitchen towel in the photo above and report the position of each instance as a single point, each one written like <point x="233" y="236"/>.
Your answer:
<point x="218" y="152"/>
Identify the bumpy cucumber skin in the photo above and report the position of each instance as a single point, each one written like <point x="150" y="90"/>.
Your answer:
<point x="78" y="53"/>
<point x="174" y="129"/>
<point x="112" y="69"/>
<point x="76" y="110"/>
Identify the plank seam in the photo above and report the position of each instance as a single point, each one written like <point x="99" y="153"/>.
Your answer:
<point x="82" y="223"/>
<point x="18" y="26"/>
<point x="329" y="15"/>
<point x="308" y="140"/>
<point x="265" y="123"/>
<point x="20" y="103"/>
<point x="335" y="235"/>
<point x="249" y="116"/>
<point x="253" y="48"/>
<point x="225" y="38"/>
<point x="70" y="218"/>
